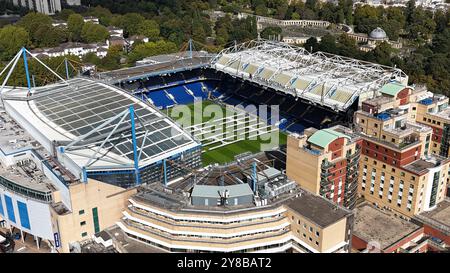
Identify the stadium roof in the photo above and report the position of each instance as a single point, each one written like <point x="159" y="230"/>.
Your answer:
<point x="159" y="65"/>
<point x="327" y="79"/>
<point x="324" y="137"/>
<point x="75" y="112"/>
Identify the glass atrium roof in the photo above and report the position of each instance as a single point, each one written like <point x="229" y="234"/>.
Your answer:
<point x="77" y="109"/>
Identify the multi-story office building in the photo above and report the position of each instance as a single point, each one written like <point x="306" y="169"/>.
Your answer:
<point x="397" y="170"/>
<point x="326" y="163"/>
<point x="43" y="6"/>
<point x="222" y="214"/>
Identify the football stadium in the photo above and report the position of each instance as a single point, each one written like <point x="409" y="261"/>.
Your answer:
<point x="189" y="137"/>
<point x="179" y="112"/>
<point x="305" y="90"/>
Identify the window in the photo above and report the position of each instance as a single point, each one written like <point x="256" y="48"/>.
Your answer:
<point x="83" y="223"/>
<point x="95" y="218"/>
<point x="317" y="233"/>
<point x="310" y="229"/>
<point x="81" y="212"/>
<point x="84" y="234"/>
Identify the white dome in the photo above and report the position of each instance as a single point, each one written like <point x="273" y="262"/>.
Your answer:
<point x="378" y="34"/>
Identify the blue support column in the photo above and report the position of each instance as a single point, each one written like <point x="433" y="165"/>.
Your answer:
<point x="67" y="68"/>
<point x="27" y="72"/>
<point x="135" y="153"/>
<point x="254" y="177"/>
<point x="84" y="177"/>
<point x="165" y="172"/>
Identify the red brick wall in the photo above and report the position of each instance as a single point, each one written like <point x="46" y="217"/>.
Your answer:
<point x="401" y="159"/>
<point x="336" y="147"/>
<point x="358" y="243"/>
<point x="403" y="96"/>
<point x="436" y="233"/>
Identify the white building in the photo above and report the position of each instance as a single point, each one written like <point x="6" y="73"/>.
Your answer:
<point x="75" y="49"/>
<point x="43" y="6"/>
<point x="73" y="2"/>
<point x="91" y="19"/>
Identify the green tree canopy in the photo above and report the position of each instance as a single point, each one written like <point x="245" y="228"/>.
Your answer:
<point x="151" y="49"/>
<point x="93" y="33"/>
<point x="12" y="38"/>
<point x="75" y="24"/>
<point x="150" y="29"/>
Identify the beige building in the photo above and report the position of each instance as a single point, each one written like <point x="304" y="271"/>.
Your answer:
<point x="397" y="170"/>
<point x="325" y="162"/>
<point x="306" y="224"/>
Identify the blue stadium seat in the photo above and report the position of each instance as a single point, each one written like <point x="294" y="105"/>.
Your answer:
<point x="296" y="128"/>
<point x="197" y="89"/>
<point x="160" y="99"/>
<point x="181" y="95"/>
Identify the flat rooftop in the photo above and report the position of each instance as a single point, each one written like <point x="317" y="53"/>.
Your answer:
<point x="124" y="244"/>
<point x="440" y="215"/>
<point x="317" y="209"/>
<point x="422" y="165"/>
<point x="372" y="224"/>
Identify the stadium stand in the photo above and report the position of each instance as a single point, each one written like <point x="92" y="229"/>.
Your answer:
<point x="185" y="87"/>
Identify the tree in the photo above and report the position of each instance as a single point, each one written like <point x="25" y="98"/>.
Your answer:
<point x="382" y="54"/>
<point x="33" y="21"/>
<point x="12" y="38"/>
<point x="50" y="36"/>
<point x="271" y="33"/>
<point x="328" y="44"/>
<point x="151" y="49"/>
<point x="93" y="33"/>
<point x="150" y="29"/>
<point x="311" y="45"/>
<point x="295" y="16"/>
<point x="131" y="22"/>
<point x="75" y="24"/>
<point x="64" y="14"/>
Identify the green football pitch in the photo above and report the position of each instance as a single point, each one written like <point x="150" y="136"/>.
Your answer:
<point x="222" y="154"/>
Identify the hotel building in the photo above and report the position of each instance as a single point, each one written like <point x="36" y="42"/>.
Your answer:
<point x="326" y="162"/>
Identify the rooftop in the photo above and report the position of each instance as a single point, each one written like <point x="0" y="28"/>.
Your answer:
<point x="422" y="165"/>
<point x="125" y="244"/>
<point x="324" y="137"/>
<point x="317" y="209"/>
<point x="439" y="217"/>
<point x="392" y="88"/>
<point x="213" y="191"/>
<point x="65" y="112"/>
<point x="157" y="65"/>
<point x="372" y="224"/>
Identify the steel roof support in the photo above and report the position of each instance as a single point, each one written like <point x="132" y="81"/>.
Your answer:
<point x="135" y="154"/>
